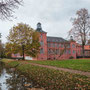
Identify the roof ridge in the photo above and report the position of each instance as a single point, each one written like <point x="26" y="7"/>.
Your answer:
<point x="55" y="37"/>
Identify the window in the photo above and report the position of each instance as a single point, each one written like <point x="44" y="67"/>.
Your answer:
<point x="57" y="45"/>
<point x="41" y="36"/>
<point x="73" y="51"/>
<point x="73" y="46"/>
<point x="49" y="44"/>
<point x="53" y="51"/>
<point x="61" y="45"/>
<point x="68" y="46"/>
<point x="41" y="43"/>
<point x="68" y="51"/>
<point x="49" y="51"/>
<point x="53" y="44"/>
<point x="41" y="51"/>
<point x="57" y="51"/>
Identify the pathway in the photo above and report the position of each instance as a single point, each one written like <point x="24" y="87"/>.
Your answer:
<point x="64" y="69"/>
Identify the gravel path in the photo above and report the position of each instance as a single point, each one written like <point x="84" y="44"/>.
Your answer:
<point x="64" y="69"/>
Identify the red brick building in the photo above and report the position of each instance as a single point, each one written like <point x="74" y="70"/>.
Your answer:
<point x="57" y="47"/>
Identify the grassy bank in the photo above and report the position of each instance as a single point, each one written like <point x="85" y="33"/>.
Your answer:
<point x="51" y="79"/>
<point x="83" y="65"/>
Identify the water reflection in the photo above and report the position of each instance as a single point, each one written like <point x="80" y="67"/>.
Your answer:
<point x="10" y="79"/>
<point x="1" y="67"/>
<point x="3" y="77"/>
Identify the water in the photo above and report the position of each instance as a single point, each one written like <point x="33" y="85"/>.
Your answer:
<point x="10" y="79"/>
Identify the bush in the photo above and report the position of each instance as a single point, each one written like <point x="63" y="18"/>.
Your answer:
<point x="71" y="57"/>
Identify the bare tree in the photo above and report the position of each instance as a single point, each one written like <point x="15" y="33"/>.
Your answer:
<point x="81" y="27"/>
<point x="7" y="8"/>
<point x="57" y="53"/>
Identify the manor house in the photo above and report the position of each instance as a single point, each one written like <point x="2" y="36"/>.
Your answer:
<point x="57" y="48"/>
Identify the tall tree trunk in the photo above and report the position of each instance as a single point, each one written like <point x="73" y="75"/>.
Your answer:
<point x="23" y="52"/>
<point x="83" y="52"/>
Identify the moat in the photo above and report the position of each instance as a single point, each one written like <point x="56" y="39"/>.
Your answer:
<point x="11" y="79"/>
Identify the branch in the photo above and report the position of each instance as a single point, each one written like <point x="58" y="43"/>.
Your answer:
<point x="7" y="8"/>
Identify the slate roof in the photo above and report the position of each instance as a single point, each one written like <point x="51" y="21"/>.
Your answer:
<point x="55" y="39"/>
<point x="88" y="44"/>
<point x="40" y="30"/>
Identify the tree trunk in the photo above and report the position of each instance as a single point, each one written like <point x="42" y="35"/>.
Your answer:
<point x="83" y="52"/>
<point x="23" y="52"/>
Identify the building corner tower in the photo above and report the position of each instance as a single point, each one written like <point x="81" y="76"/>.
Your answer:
<point x="43" y="42"/>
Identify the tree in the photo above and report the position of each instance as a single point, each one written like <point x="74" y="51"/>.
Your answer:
<point x="2" y="50"/>
<point x="7" y="8"/>
<point x="24" y="40"/>
<point x="81" y="27"/>
<point x="57" y="53"/>
<point x="8" y="50"/>
<point x="65" y="48"/>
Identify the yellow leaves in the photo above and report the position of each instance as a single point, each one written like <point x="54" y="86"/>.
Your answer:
<point x="23" y="34"/>
<point x="36" y="35"/>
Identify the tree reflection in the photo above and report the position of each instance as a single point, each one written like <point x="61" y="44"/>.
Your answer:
<point x="1" y="68"/>
<point x="16" y="81"/>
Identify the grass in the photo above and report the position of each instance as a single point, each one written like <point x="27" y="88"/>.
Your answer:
<point x="10" y="62"/>
<point x="83" y="65"/>
<point x="52" y="79"/>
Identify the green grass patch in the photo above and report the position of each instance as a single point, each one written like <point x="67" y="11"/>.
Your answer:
<point x="11" y="62"/>
<point x="53" y="79"/>
<point x="83" y="65"/>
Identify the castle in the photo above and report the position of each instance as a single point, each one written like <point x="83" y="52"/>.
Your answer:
<point x="57" y="48"/>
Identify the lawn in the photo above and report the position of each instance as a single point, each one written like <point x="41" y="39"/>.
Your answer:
<point x="52" y="79"/>
<point x="79" y="64"/>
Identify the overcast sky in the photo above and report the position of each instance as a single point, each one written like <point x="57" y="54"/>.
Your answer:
<point x="53" y="14"/>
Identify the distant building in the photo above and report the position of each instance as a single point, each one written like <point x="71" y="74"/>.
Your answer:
<point x="57" y="47"/>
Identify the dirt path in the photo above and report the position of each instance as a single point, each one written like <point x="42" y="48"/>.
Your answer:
<point x="64" y="69"/>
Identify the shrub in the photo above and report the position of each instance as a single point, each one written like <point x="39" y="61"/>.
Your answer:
<point x="71" y="57"/>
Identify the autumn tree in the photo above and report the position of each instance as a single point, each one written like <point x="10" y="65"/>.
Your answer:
<point x="7" y="8"/>
<point x="24" y="40"/>
<point x="2" y="50"/>
<point x="8" y="50"/>
<point x="81" y="27"/>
